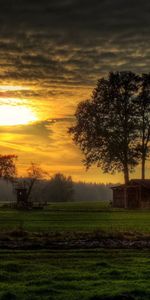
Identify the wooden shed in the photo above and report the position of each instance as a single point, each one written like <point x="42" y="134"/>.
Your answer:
<point x="134" y="195"/>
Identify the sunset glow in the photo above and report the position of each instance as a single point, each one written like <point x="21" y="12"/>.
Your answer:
<point x="12" y="88"/>
<point x="52" y="55"/>
<point x="15" y="115"/>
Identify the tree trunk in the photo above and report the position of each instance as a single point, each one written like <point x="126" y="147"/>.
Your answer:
<point x="126" y="175"/>
<point x="143" y="166"/>
<point x="143" y="146"/>
<point x="30" y="189"/>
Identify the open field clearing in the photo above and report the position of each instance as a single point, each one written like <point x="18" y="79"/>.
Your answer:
<point x="74" y="217"/>
<point x="87" y="275"/>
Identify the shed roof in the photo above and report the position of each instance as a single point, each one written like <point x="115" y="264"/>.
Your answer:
<point x="143" y="182"/>
<point x="135" y="183"/>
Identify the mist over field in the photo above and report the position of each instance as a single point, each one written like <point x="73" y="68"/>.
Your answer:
<point x="7" y="193"/>
<point x="82" y="191"/>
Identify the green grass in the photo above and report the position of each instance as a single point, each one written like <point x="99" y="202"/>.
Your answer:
<point x="75" y="275"/>
<point x="76" y="217"/>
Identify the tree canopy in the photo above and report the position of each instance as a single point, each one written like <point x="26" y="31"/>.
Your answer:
<point x="107" y="127"/>
<point x="8" y="166"/>
<point x="35" y="173"/>
<point x="60" y="188"/>
<point x="144" y="117"/>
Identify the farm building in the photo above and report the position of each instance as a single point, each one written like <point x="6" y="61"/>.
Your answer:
<point x="134" y="195"/>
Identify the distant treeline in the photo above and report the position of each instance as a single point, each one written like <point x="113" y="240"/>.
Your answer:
<point x="43" y="190"/>
<point x="92" y="192"/>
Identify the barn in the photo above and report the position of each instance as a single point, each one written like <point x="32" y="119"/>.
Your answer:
<point x="136" y="194"/>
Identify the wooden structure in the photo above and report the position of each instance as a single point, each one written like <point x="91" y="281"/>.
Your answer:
<point x="134" y="195"/>
<point x="26" y="202"/>
<point x="22" y="198"/>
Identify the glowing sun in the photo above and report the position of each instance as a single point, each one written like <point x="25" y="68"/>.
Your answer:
<point x="16" y="115"/>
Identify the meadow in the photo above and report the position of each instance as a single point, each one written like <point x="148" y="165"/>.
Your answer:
<point x="75" y="217"/>
<point x="87" y="274"/>
<point x="75" y="275"/>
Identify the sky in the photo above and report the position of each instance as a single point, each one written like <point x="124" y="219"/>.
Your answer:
<point x="52" y="52"/>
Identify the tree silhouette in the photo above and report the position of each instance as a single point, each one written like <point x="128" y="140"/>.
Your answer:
<point x="60" y="188"/>
<point x="8" y="167"/>
<point x="35" y="173"/>
<point x="144" y="124"/>
<point x="106" y="125"/>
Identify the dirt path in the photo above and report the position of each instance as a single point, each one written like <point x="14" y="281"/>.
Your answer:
<point x="25" y="240"/>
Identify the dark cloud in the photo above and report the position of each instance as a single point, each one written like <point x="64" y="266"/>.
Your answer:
<point x="72" y="42"/>
<point x="97" y="15"/>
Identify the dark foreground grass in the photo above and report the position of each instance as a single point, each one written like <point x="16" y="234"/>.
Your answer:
<point x="74" y="275"/>
<point x="76" y="217"/>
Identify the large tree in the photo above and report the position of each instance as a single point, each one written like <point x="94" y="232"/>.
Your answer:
<point x="106" y="125"/>
<point x="144" y="120"/>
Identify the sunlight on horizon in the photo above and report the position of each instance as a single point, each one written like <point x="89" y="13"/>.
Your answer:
<point x="13" y="88"/>
<point x="16" y="115"/>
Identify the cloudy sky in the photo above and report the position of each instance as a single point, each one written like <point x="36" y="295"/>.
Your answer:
<point x="51" y="54"/>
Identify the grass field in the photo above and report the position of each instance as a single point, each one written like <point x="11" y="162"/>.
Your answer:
<point x="75" y="275"/>
<point x="97" y="274"/>
<point x="76" y="217"/>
